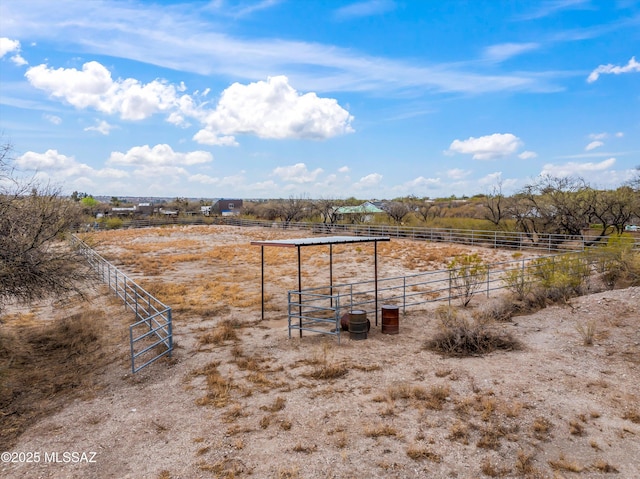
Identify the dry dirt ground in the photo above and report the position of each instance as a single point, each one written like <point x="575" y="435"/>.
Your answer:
<point x="265" y="406"/>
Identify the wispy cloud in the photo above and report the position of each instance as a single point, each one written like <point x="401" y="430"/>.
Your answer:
<point x="504" y="51"/>
<point x="593" y="145"/>
<point x="608" y="69"/>
<point x="548" y="8"/>
<point x="243" y="9"/>
<point x="188" y="43"/>
<point x="365" y="9"/>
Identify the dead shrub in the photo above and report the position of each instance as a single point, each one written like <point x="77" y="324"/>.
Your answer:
<point x="459" y="336"/>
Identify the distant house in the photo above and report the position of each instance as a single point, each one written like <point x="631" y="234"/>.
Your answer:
<point x="363" y="213"/>
<point x="226" y="207"/>
<point x="145" y="209"/>
<point x="123" y="210"/>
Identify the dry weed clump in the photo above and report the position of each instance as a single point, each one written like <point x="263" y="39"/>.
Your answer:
<point x="461" y="336"/>
<point x="218" y="387"/>
<point x="564" y="464"/>
<point x="380" y="430"/>
<point x="225" y="330"/>
<point x="587" y="331"/>
<point x="632" y="415"/>
<point x="603" y="466"/>
<point x="418" y="453"/>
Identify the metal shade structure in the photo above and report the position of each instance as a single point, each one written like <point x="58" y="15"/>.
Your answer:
<point x="320" y="241"/>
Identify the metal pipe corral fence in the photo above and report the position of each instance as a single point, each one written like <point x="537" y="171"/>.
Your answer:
<point x="151" y="335"/>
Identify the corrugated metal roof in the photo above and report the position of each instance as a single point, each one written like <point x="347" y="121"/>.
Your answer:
<point x="320" y="240"/>
<point x="364" y="208"/>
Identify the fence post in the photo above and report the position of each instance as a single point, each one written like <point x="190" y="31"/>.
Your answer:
<point x="404" y="295"/>
<point x="450" y="279"/>
<point x="170" y="329"/>
<point x="488" y="274"/>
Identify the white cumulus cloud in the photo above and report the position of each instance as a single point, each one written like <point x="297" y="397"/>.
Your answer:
<point x="458" y="173"/>
<point x="422" y="182"/>
<point x="576" y="169"/>
<point x="272" y="109"/>
<point x="160" y="156"/>
<point x="297" y="173"/>
<point x="101" y="127"/>
<point x="528" y="155"/>
<point x="61" y="167"/>
<point x="631" y="66"/>
<point x="489" y="147"/>
<point x="93" y="87"/>
<point x="7" y="46"/>
<point x="593" y="145"/>
<point x="54" y="119"/>
<point x="368" y="181"/>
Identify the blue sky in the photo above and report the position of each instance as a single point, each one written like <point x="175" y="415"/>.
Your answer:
<point x="320" y="99"/>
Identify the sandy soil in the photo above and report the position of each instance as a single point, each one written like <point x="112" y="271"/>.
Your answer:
<point x="556" y="408"/>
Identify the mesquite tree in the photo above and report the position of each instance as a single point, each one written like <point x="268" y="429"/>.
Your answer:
<point x="34" y="262"/>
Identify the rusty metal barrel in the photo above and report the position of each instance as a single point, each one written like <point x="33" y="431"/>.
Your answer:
<point x="358" y="324"/>
<point x="390" y="319"/>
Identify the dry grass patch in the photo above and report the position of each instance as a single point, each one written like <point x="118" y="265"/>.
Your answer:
<point x="277" y="405"/>
<point x="603" y="466"/>
<point x="224" y="469"/>
<point x="563" y="464"/>
<point x="541" y="427"/>
<point x="434" y="398"/>
<point x="418" y="453"/>
<point x="380" y="430"/>
<point x="289" y="472"/>
<point x="327" y="371"/>
<point x="305" y="448"/>
<point x="632" y="415"/>
<point x="524" y="464"/>
<point x="459" y="431"/>
<point x="225" y="330"/>
<point x="218" y="387"/>
<point x="45" y="364"/>
<point x="488" y="468"/>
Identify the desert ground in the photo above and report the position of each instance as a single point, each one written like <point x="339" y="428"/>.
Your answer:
<point x="238" y="398"/>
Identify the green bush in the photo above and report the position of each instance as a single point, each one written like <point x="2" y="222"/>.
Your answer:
<point x="562" y="276"/>
<point x="519" y="281"/>
<point x="467" y="273"/>
<point x="618" y="262"/>
<point x="113" y="223"/>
